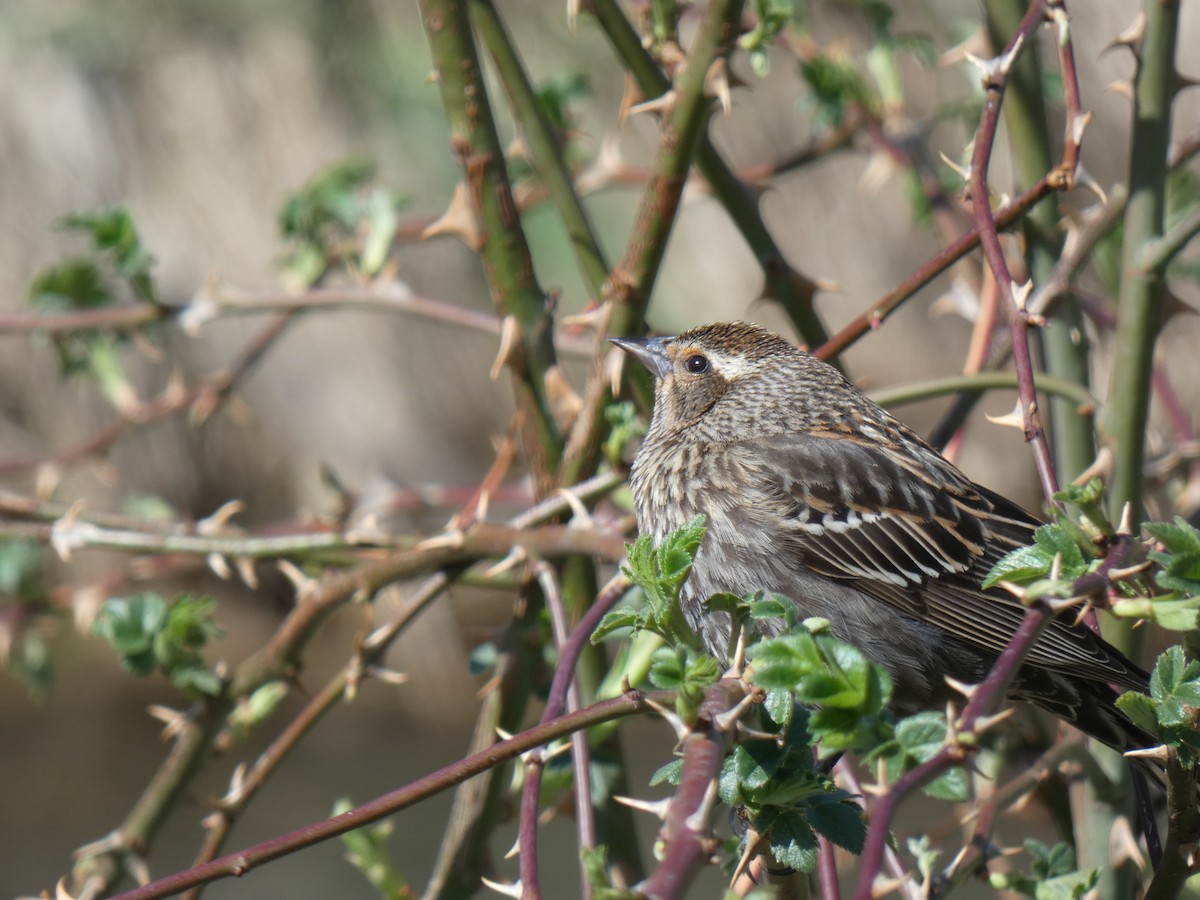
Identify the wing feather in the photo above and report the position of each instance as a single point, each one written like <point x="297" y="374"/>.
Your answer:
<point x="921" y="537"/>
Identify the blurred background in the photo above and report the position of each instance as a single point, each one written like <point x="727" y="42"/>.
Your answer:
<point x="202" y="118"/>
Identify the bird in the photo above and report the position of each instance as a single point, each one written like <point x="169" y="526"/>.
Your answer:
<point x="813" y="491"/>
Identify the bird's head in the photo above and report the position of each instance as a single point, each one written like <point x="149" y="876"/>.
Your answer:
<point x="729" y="361"/>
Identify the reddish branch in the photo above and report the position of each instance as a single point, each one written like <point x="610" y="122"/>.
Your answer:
<point x="241" y="862"/>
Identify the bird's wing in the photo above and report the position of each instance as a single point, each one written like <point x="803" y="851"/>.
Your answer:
<point x="908" y="528"/>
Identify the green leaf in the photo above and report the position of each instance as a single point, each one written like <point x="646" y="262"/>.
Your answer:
<point x="839" y="820"/>
<point x="1177" y="538"/>
<point x="666" y="667"/>
<point x="1019" y="566"/>
<point x="1055" y="540"/>
<point x="670" y="773"/>
<point x="1140" y="710"/>
<point x="1182" y="573"/>
<point x="617" y="620"/>
<point x="793" y="842"/>
<point x="1176" y="615"/>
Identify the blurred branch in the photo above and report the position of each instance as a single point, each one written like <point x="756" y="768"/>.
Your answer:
<point x="544" y="146"/>
<point x="793" y="290"/>
<point x="101" y="866"/>
<point x="241" y="862"/>
<point x="898" y="395"/>
<point x="996" y="73"/>
<point x="869" y="321"/>
<point x="528" y="349"/>
<point x="370" y="652"/>
<point x="570" y="647"/>
<point x="1139" y="308"/>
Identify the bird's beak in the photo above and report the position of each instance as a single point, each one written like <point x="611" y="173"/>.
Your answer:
<point x="650" y="352"/>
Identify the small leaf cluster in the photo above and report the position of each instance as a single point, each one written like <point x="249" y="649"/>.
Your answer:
<point x="781" y="792"/>
<point x="1053" y="875"/>
<point x="337" y="221"/>
<point x="916" y="740"/>
<point x="1076" y="546"/>
<point x="660" y="573"/>
<point x="151" y="635"/>
<point x="849" y="691"/>
<point x="1171" y="712"/>
<point x="116" y="265"/>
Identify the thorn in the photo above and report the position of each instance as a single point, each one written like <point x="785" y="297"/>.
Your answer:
<point x="1126" y="526"/>
<point x="174" y="720"/>
<point x="1101" y="467"/>
<point x="754" y="844"/>
<point x="516" y="848"/>
<point x="1021" y="292"/>
<point x="716" y="81"/>
<point x="1015" y="589"/>
<point x="738" y="666"/>
<point x="65" y="533"/>
<point x="884" y="886"/>
<point x="1083" y="611"/>
<point x="219" y="566"/>
<point x="614" y="364"/>
<point x="1122" y="88"/>
<point x="1013" y="419"/>
<point x="997" y="67"/>
<point x="580" y="517"/>
<point x="698" y="821"/>
<point x="594" y="319"/>
<point x="1056" y="567"/>
<point x="986" y="723"/>
<point x="454" y="539"/>
<point x="727" y="721"/>
<point x="302" y="583"/>
<point x="755" y="734"/>
<point x="215" y="524"/>
<point x="458" y="219"/>
<point x="967" y="690"/>
<point x="656" y="808"/>
<point x="516" y="556"/>
<point x="513" y="890"/>
<point x="1079" y="126"/>
<point x="1159" y="753"/>
<point x="671" y="718"/>
<point x="1132" y="36"/>
<point x="964" y="172"/>
<point x="1121" y="574"/>
<point x="61" y="892"/>
<point x="388" y="676"/>
<point x="237" y="788"/>
<point x="510" y="340"/>
<point x="245" y="569"/>
<point x="661" y="105"/>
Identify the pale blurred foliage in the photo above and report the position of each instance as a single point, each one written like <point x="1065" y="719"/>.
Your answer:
<point x="202" y="117"/>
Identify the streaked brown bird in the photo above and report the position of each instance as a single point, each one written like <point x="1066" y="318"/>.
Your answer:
<point x="813" y="491"/>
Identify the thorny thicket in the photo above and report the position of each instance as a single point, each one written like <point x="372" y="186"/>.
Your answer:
<point x="796" y="737"/>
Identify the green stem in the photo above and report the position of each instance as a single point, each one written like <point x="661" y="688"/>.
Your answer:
<point x="1072" y="392"/>
<point x="793" y="290"/>
<point x="545" y="146"/>
<point x="1139" y="311"/>
<point x="502" y="245"/>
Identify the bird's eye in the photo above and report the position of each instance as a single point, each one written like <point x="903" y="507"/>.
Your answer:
<point x="697" y="364"/>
